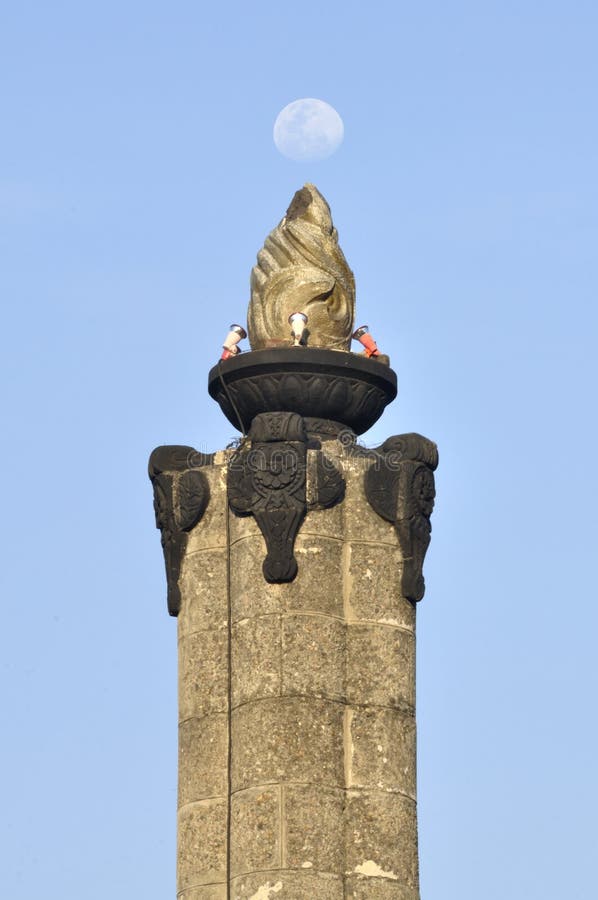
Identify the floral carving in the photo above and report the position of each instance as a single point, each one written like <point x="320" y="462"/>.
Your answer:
<point x="181" y="495"/>
<point x="267" y="479"/>
<point x="400" y="487"/>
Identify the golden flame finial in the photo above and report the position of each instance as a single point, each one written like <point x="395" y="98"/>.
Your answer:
<point x="302" y="269"/>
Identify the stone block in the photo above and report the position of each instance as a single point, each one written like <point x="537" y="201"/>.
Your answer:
<point x="313" y="657"/>
<point x="203" y="758"/>
<point x="202" y="843"/>
<point x="206" y="892"/>
<point x="361" y="523"/>
<point x="251" y="595"/>
<point x="381" y="834"/>
<point x="284" y="885"/>
<point x="203" y="673"/>
<point x="322" y="522"/>
<point x="374" y="586"/>
<point x="382" y="750"/>
<point x="314" y="838"/>
<point x="255" y="830"/>
<point x="203" y="584"/>
<point x="318" y="585"/>
<point x="287" y="739"/>
<point x="365" y="888"/>
<point x="380" y="666"/>
<point x="242" y="527"/>
<point x="210" y="532"/>
<point x="256" y="659"/>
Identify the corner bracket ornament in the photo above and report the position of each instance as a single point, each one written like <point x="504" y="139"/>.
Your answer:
<point x="181" y="495"/>
<point x="399" y="485"/>
<point x="267" y="478"/>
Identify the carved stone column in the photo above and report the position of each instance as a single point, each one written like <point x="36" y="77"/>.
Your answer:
<point x="294" y="563"/>
<point x="297" y="666"/>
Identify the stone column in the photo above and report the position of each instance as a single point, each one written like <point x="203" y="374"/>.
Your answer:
<point x="294" y="564"/>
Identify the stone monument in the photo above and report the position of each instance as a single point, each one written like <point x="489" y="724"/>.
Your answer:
<point x="294" y="563"/>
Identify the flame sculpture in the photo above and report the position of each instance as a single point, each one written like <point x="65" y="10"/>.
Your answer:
<point x="301" y="268"/>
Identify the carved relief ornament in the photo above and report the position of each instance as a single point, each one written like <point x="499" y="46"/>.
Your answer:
<point x="181" y="495"/>
<point x="399" y="485"/>
<point x="267" y="479"/>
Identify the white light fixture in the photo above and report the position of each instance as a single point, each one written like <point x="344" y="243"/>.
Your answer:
<point x="297" y="321"/>
<point x="229" y="348"/>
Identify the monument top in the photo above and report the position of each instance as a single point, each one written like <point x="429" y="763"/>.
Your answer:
<point x="302" y="269"/>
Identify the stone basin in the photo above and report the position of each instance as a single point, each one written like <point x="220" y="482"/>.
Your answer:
<point x="330" y="385"/>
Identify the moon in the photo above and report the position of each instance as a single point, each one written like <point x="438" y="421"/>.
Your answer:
<point x="308" y="129"/>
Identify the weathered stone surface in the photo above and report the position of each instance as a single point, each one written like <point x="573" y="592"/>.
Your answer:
<point x="361" y="523"/>
<point x="314" y="840"/>
<point x="380" y="666"/>
<point x="364" y="888"/>
<point x="206" y="892"/>
<point x="374" y="586"/>
<point x="203" y="750"/>
<point x="285" y="885"/>
<point x="202" y="843"/>
<point x="203" y="673"/>
<point x="255" y="830"/>
<point x="251" y="595"/>
<point x="202" y="583"/>
<point x="256" y="658"/>
<point x="382" y="750"/>
<point x="380" y="834"/>
<point x="287" y="739"/>
<point x="212" y="530"/>
<point x="313" y="657"/>
<point x="318" y="585"/>
<point x="326" y="523"/>
<point x="341" y="633"/>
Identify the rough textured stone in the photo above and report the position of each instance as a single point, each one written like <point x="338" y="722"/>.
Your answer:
<point x="203" y="584"/>
<point x="311" y="825"/>
<point x="313" y="658"/>
<point x="323" y="522"/>
<point x="203" y="673"/>
<point x="255" y="830"/>
<point x="380" y="836"/>
<point x="374" y="586"/>
<point x="361" y="523"/>
<point x="382" y="750"/>
<point x="380" y="666"/>
<point x="364" y="888"/>
<point x="206" y="892"/>
<point x="284" y="885"/>
<point x="212" y="530"/>
<point x="202" y="843"/>
<point x="287" y="739"/>
<point x="203" y="749"/>
<point x="251" y="595"/>
<point x="318" y="585"/>
<point x="340" y="632"/>
<point x="256" y="658"/>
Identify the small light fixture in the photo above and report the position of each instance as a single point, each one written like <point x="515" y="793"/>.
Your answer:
<point x="229" y="348"/>
<point x="297" y="321"/>
<point x="366" y="340"/>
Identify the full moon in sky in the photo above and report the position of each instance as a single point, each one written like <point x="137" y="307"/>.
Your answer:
<point x="308" y="129"/>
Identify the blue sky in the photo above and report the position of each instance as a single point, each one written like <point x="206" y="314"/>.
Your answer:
<point x="138" y="179"/>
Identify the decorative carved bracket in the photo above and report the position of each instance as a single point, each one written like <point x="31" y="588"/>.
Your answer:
<point x="399" y="485"/>
<point x="267" y="479"/>
<point x="181" y="495"/>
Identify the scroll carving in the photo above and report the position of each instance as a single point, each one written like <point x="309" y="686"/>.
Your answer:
<point x="181" y="495"/>
<point x="399" y="485"/>
<point x="267" y="479"/>
<point x="301" y="268"/>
